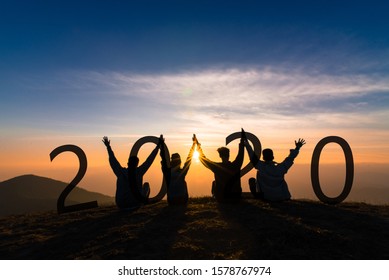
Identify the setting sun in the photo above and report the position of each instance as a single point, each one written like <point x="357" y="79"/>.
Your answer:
<point x="196" y="156"/>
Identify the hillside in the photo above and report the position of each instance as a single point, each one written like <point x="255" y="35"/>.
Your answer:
<point x="30" y="193"/>
<point x="251" y="229"/>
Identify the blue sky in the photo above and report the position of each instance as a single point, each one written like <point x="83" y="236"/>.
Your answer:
<point x="153" y="35"/>
<point x="71" y="70"/>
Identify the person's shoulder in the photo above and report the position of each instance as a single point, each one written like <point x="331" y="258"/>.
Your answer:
<point x="229" y="164"/>
<point x="219" y="164"/>
<point x="122" y="170"/>
<point x="268" y="164"/>
<point x="261" y="162"/>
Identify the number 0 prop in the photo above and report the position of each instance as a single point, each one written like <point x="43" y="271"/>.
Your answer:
<point x="61" y="208"/>
<point x="349" y="169"/>
<point x="134" y="152"/>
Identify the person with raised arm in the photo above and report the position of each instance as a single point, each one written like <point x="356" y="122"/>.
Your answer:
<point x="131" y="193"/>
<point x="271" y="184"/>
<point x="226" y="187"/>
<point x="177" y="189"/>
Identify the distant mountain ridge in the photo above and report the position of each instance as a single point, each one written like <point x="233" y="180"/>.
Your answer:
<point x="31" y="193"/>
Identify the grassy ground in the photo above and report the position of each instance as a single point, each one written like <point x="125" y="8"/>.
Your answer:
<point x="251" y="229"/>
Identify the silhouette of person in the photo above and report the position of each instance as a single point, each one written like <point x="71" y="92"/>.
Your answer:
<point x="177" y="190"/>
<point x="271" y="184"/>
<point x="226" y="187"/>
<point x="130" y="193"/>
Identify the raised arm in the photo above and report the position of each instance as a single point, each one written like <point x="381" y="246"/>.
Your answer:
<point x="203" y="159"/>
<point x="164" y="161"/>
<point x="253" y="157"/>
<point x="201" y="153"/>
<point x="239" y="158"/>
<point x="288" y="162"/>
<point x="113" y="162"/>
<point x="294" y="153"/>
<point x="150" y="159"/>
<point x="188" y="160"/>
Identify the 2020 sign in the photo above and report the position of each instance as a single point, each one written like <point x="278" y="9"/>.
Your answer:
<point x="61" y="208"/>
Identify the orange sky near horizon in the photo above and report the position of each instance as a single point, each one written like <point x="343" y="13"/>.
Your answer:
<point x="31" y="156"/>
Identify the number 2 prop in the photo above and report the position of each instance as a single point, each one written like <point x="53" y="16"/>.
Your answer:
<point x="134" y="152"/>
<point x="61" y="208"/>
<point x="257" y="148"/>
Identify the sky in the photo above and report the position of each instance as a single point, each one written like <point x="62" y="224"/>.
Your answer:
<point x="72" y="72"/>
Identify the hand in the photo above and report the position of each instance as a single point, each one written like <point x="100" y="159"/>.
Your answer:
<point x="299" y="143"/>
<point x="161" y="141"/>
<point x="106" y="141"/>
<point x="196" y="140"/>
<point x="198" y="145"/>
<point x="244" y="136"/>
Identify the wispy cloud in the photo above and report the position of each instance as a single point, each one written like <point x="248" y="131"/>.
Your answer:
<point x="214" y="95"/>
<point x="213" y="101"/>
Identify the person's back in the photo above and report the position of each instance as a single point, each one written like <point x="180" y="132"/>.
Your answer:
<point x="130" y="191"/>
<point x="227" y="180"/>
<point x="227" y="185"/>
<point x="177" y="189"/>
<point x="271" y="178"/>
<point x="124" y="197"/>
<point x="271" y="175"/>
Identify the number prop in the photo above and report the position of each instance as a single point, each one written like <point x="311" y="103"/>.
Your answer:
<point x="257" y="148"/>
<point x="134" y="152"/>
<point x="61" y="208"/>
<point x="349" y="169"/>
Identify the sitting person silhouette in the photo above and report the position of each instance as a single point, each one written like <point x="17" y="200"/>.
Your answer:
<point x="226" y="187"/>
<point x="130" y="193"/>
<point x="271" y="184"/>
<point x="177" y="190"/>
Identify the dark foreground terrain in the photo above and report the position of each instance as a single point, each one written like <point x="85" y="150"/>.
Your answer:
<point x="204" y="229"/>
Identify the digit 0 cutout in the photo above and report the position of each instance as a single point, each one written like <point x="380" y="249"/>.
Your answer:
<point x="257" y="148"/>
<point x="315" y="170"/>
<point x="61" y="208"/>
<point x="134" y="152"/>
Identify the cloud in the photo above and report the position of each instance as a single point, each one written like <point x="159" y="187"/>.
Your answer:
<point x="214" y="96"/>
<point x="212" y="100"/>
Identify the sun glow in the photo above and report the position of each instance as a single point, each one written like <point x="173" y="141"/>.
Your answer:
<point x="196" y="156"/>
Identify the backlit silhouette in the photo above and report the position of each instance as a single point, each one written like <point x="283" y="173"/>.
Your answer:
<point x="226" y="186"/>
<point x="271" y="184"/>
<point x="177" y="190"/>
<point x="130" y="193"/>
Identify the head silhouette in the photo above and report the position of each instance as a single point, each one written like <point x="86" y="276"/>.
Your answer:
<point x="133" y="162"/>
<point x="267" y="155"/>
<point x="175" y="160"/>
<point x="224" y="153"/>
